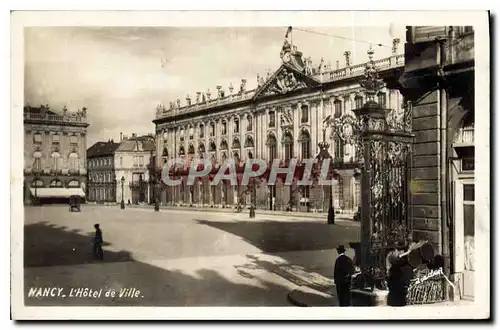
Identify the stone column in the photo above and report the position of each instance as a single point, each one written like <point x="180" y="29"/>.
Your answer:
<point x="314" y="135"/>
<point x="296" y="110"/>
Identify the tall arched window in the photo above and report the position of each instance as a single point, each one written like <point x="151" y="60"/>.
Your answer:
<point x="359" y="101"/>
<point x="272" y="118"/>
<point x="181" y="151"/>
<point x="224" y="127"/>
<point x="212" y="146"/>
<point x="249" y="142"/>
<point x="236" y="157"/>
<point x="56" y="161"/>
<point x="382" y="100"/>
<point x="191" y="149"/>
<point x="271" y="145"/>
<point x="212" y="129"/>
<point x="74" y="163"/>
<point x="37" y="161"/>
<point x="236" y="143"/>
<point x="304" y="113"/>
<point x="37" y="183"/>
<point x="249" y="123"/>
<point x="202" y="131"/>
<point x="338" y="108"/>
<point x="305" y="141"/>
<point x="73" y="184"/>
<point x="223" y="145"/>
<point x="288" y="145"/>
<point x="201" y="148"/>
<point x="56" y="184"/>
<point x="337" y="189"/>
<point x="339" y="149"/>
<point x="191" y="132"/>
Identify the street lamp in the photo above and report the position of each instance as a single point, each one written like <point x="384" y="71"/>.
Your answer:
<point x="253" y="197"/>
<point x="321" y="157"/>
<point x="122" y="205"/>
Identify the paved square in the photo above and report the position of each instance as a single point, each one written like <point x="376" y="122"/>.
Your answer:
<point x="175" y="258"/>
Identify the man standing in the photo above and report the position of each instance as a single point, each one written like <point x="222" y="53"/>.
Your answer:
<point x="98" y="241"/>
<point x="342" y="273"/>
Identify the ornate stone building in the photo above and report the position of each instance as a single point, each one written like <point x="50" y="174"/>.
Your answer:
<point x="439" y="82"/>
<point x="54" y="154"/>
<point x="101" y="172"/>
<point x="281" y="119"/>
<point x="131" y="160"/>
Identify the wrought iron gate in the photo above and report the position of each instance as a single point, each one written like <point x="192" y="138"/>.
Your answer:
<point x="383" y="143"/>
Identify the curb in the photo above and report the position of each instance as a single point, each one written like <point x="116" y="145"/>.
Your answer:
<point x="260" y="215"/>
<point x="307" y="297"/>
<point x="292" y="215"/>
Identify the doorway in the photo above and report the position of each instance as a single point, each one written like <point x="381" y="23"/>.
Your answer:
<point x="272" y="197"/>
<point x="464" y="235"/>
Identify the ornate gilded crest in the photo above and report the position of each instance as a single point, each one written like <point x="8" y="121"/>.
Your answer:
<point x="285" y="82"/>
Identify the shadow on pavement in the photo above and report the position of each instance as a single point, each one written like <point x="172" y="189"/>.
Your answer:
<point x="274" y="236"/>
<point x="46" y="244"/>
<point x="50" y="262"/>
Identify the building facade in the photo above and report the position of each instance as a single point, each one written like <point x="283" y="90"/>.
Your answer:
<point x="439" y="82"/>
<point x="281" y="119"/>
<point x="54" y="154"/>
<point x="101" y="172"/>
<point x="132" y="164"/>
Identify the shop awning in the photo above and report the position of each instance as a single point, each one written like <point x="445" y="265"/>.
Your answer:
<point x="57" y="192"/>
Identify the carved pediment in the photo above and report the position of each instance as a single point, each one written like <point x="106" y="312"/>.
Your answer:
<point x="284" y="81"/>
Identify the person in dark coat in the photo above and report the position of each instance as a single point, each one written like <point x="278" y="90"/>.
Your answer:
<point x="399" y="277"/>
<point x="98" y="242"/>
<point x="331" y="215"/>
<point x="342" y="273"/>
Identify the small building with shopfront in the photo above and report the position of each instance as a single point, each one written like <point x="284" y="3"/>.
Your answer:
<point x="54" y="154"/>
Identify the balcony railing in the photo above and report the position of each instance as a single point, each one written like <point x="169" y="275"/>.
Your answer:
<point x="387" y="63"/>
<point x="395" y="61"/>
<point x="55" y="118"/>
<point x="465" y="136"/>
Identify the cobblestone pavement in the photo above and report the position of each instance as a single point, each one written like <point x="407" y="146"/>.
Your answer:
<point x="176" y="258"/>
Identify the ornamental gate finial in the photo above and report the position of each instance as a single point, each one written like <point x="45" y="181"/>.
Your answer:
<point x="371" y="81"/>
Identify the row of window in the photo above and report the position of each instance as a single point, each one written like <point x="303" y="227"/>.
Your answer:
<point x="55" y="184"/>
<point x="138" y="161"/>
<point x="102" y="195"/>
<point x="100" y="162"/>
<point x="56" y="138"/>
<point x="223" y="127"/>
<point x="101" y="177"/>
<point x="56" y="161"/>
<point x="272" y="119"/>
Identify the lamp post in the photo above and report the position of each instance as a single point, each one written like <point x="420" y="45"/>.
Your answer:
<point x="252" y="199"/>
<point x="321" y="157"/>
<point x="122" y="204"/>
<point x="154" y="176"/>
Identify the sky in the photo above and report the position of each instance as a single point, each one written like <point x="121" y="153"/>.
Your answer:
<point x="120" y="74"/>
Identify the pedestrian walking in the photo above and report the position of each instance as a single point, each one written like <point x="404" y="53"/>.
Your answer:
<point x="98" y="242"/>
<point x="331" y="215"/>
<point x="399" y="277"/>
<point x="342" y="273"/>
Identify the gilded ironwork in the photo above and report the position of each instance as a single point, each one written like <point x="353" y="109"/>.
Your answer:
<point x="383" y="143"/>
